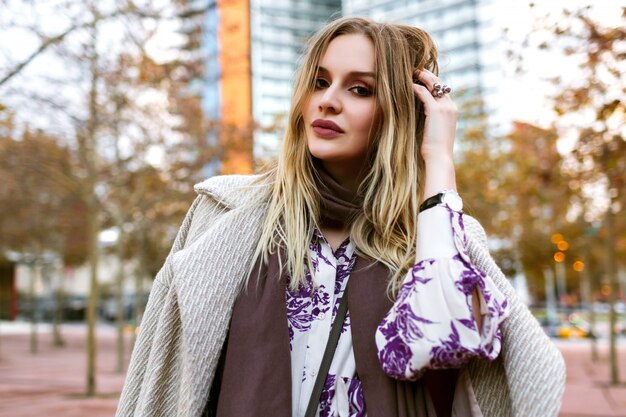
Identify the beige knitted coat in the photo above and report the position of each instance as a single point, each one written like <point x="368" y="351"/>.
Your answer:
<point x="187" y="316"/>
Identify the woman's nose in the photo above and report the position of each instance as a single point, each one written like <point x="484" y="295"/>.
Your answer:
<point x="330" y="101"/>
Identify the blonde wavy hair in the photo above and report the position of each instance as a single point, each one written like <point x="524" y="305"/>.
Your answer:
<point x="393" y="183"/>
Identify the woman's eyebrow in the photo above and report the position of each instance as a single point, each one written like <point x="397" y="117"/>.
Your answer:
<point x="352" y="73"/>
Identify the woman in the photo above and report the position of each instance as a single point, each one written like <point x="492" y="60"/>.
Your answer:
<point x="362" y="201"/>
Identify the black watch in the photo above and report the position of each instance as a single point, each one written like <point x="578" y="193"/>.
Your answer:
<point x="448" y="198"/>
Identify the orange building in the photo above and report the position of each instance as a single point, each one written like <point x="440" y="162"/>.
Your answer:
<point x="236" y="86"/>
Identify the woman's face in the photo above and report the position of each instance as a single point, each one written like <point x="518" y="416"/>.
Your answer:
<point x="339" y="115"/>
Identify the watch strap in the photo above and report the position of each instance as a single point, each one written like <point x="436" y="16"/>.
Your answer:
<point x="431" y="202"/>
<point x="448" y="197"/>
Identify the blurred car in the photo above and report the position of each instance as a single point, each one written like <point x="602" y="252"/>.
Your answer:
<point x="603" y="308"/>
<point x="575" y="327"/>
<point x="108" y="308"/>
<point x="571" y="332"/>
<point x="73" y="308"/>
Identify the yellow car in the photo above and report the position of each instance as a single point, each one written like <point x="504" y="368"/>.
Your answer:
<point x="571" y="332"/>
<point x="574" y="328"/>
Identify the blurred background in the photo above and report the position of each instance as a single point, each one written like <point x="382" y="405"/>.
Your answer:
<point x="111" y="111"/>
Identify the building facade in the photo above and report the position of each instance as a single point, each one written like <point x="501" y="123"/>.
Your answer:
<point x="226" y="85"/>
<point x="470" y="42"/>
<point x="280" y="30"/>
<point x="252" y="49"/>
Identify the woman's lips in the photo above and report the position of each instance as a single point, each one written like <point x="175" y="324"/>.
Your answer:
<point x="326" y="128"/>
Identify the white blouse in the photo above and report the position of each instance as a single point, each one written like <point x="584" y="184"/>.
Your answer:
<point x="430" y="325"/>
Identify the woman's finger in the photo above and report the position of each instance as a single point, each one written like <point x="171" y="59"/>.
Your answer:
<point x="435" y="85"/>
<point x="425" y="96"/>
<point x="426" y="77"/>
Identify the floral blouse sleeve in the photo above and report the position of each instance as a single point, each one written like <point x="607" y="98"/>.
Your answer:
<point x="431" y="324"/>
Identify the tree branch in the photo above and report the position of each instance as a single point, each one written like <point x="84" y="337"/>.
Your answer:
<point x="57" y="39"/>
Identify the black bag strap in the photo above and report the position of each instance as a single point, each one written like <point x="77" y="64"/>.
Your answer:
<point x="329" y="352"/>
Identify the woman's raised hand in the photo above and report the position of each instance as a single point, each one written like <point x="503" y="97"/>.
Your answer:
<point x="440" y="126"/>
<point x="441" y="115"/>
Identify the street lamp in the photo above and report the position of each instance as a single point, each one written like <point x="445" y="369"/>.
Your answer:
<point x="556" y="238"/>
<point x="559" y="257"/>
<point x="578" y="266"/>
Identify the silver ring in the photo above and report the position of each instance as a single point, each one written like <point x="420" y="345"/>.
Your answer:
<point x="439" y="90"/>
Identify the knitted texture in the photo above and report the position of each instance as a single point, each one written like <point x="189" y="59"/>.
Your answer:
<point x="535" y="369"/>
<point x="188" y="313"/>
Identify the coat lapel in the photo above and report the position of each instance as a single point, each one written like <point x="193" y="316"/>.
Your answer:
<point x="209" y="274"/>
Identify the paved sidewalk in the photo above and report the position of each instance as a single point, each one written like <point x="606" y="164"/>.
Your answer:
<point x="587" y="392"/>
<point x="52" y="382"/>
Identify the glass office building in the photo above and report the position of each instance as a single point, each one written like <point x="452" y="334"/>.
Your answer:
<point x="280" y="29"/>
<point x="210" y="90"/>
<point x="212" y="67"/>
<point x="469" y="37"/>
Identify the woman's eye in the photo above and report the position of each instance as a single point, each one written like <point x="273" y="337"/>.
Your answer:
<point x="361" y="91"/>
<point x="321" y="83"/>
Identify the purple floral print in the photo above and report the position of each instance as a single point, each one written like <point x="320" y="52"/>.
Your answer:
<point x="298" y="309"/>
<point x="355" y="393"/>
<point x="326" y="399"/>
<point x="432" y="324"/>
<point x="355" y="402"/>
<point x="309" y="316"/>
